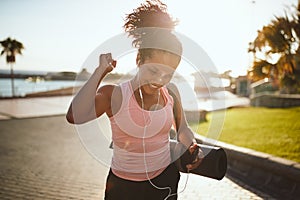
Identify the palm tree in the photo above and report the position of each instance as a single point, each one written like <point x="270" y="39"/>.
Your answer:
<point x="11" y="48"/>
<point x="276" y="51"/>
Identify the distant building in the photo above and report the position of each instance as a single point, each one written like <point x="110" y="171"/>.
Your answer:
<point x="265" y="93"/>
<point x="207" y="82"/>
<point x="83" y="75"/>
<point x="263" y="86"/>
<point x="242" y="85"/>
<point x="60" y="76"/>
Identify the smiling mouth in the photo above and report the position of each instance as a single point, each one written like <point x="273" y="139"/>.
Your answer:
<point x="154" y="86"/>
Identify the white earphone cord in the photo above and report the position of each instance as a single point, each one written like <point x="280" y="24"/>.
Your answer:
<point x="145" y="162"/>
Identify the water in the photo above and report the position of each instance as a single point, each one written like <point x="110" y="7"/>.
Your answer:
<point x="190" y="100"/>
<point x="23" y="86"/>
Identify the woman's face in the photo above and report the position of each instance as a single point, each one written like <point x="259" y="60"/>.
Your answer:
<point x="157" y="71"/>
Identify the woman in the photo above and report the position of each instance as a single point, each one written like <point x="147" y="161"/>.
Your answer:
<point x="141" y="110"/>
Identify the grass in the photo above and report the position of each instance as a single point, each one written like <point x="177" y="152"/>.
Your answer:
<point x="274" y="131"/>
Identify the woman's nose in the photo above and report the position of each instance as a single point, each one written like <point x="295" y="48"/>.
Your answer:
<point x="160" y="81"/>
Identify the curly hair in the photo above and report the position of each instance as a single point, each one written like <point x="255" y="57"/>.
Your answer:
<point x="151" y="27"/>
<point x="151" y="14"/>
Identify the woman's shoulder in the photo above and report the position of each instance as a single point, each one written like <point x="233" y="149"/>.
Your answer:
<point x="113" y="89"/>
<point x="107" y="89"/>
<point x="111" y="94"/>
<point x="172" y="89"/>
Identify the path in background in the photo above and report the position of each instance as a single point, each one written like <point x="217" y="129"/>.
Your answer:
<point x="34" y="107"/>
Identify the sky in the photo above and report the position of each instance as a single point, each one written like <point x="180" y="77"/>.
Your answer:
<point x="59" y="35"/>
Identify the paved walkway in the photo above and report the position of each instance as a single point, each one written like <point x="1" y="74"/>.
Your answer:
<point x="43" y="158"/>
<point x="33" y="107"/>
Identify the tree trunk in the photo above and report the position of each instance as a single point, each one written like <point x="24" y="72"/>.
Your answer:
<point x="12" y="80"/>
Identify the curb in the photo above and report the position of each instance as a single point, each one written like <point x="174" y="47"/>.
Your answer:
<point x="279" y="176"/>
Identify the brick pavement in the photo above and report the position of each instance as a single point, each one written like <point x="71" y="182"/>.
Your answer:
<point x="33" y="107"/>
<point x="42" y="158"/>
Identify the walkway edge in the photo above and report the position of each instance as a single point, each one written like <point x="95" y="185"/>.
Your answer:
<point x="278" y="176"/>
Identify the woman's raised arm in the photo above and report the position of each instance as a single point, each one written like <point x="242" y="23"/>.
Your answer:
<point x="89" y="104"/>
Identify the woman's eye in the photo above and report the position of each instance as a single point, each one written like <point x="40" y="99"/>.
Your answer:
<point x="153" y="71"/>
<point x="168" y="76"/>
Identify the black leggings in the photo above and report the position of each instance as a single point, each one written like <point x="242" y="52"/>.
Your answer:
<point x="122" y="189"/>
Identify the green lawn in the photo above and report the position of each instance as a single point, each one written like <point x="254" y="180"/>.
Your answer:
<point x="270" y="130"/>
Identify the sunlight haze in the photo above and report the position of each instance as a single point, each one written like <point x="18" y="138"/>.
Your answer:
<point x="60" y="35"/>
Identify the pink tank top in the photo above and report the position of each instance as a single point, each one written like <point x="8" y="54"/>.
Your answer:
<point x="141" y="148"/>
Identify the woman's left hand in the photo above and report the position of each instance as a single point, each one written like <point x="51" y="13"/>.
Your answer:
<point x="198" y="158"/>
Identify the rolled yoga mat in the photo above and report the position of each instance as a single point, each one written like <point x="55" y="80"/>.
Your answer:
<point x="213" y="165"/>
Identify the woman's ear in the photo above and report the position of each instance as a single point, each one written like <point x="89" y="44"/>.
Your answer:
<point x="138" y="59"/>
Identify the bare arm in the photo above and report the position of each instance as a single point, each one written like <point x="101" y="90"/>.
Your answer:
<point x="185" y="134"/>
<point x="89" y="104"/>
